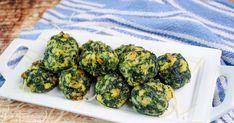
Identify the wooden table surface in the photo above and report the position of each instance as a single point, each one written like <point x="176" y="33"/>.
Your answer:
<point x="15" y="15"/>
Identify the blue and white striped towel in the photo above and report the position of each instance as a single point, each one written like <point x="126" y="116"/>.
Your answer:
<point x="206" y="23"/>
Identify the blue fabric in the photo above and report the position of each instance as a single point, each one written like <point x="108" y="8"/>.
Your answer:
<point x="206" y="23"/>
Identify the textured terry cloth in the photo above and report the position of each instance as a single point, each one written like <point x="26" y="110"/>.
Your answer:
<point x="203" y="23"/>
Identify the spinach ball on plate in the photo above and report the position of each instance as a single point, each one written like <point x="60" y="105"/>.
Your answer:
<point x="111" y="90"/>
<point x="74" y="83"/>
<point x="61" y="52"/>
<point x="138" y="67"/>
<point x="152" y="98"/>
<point x="97" y="58"/>
<point x="38" y="79"/>
<point x="174" y="70"/>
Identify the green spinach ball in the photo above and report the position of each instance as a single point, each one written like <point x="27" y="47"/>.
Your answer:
<point x="38" y="79"/>
<point x="152" y="98"/>
<point x="74" y="83"/>
<point x="138" y="67"/>
<point x="174" y="70"/>
<point x="61" y="52"/>
<point x="97" y="58"/>
<point x="111" y="90"/>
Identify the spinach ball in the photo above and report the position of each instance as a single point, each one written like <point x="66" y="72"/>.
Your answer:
<point x="97" y="58"/>
<point x="138" y="67"/>
<point x="38" y="79"/>
<point x="74" y="83"/>
<point x="152" y="98"/>
<point x="61" y="52"/>
<point x="111" y="90"/>
<point x="174" y="70"/>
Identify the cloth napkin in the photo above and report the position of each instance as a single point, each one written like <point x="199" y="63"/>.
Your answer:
<point x="206" y="23"/>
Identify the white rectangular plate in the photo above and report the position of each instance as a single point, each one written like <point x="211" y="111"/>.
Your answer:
<point x="192" y="103"/>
